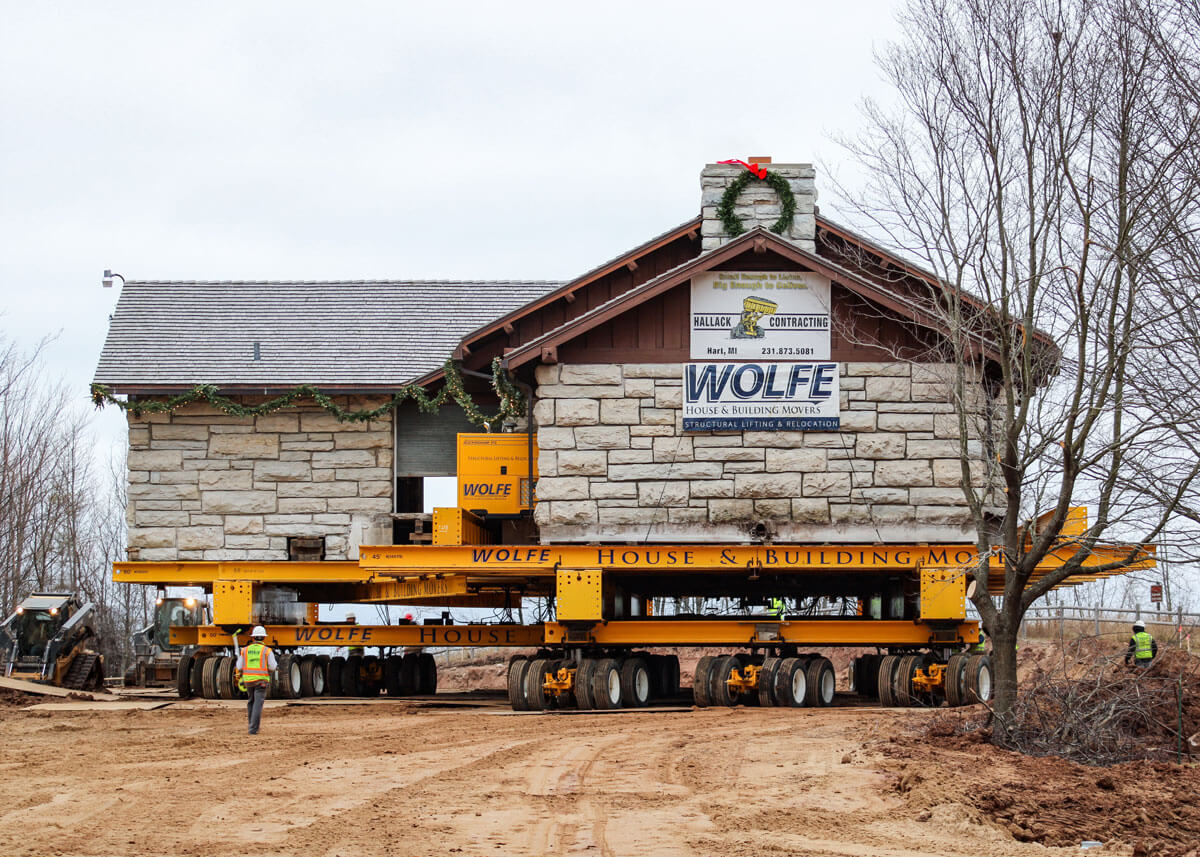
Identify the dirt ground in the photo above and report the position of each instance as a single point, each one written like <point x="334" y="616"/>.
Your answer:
<point x="464" y="775"/>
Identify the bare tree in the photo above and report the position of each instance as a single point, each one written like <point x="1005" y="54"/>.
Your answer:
<point x="61" y="526"/>
<point x="1042" y="165"/>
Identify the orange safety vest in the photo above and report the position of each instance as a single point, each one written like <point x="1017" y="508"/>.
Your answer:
<point x="254" y="663"/>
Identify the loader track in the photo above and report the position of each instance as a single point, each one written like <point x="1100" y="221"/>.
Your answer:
<point x="81" y="670"/>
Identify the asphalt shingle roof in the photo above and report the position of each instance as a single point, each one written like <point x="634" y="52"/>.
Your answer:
<point x="350" y="333"/>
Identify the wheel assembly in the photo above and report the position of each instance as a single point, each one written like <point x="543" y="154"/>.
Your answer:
<point x="517" y="667"/>
<point x="333" y="675"/>
<point x="635" y="683"/>
<point x="584" y="699"/>
<point x="196" y="677"/>
<point x="791" y="683"/>
<point x="426" y="674"/>
<point x="954" y="678"/>
<point x="351" y="682"/>
<point x="885" y="680"/>
<point x="822" y="682"/>
<point x="391" y="675"/>
<point x="766" y="682"/>
<point x="979" y="679"/>
<point x="535" y="679"/>
<point x="312" y="676"/>
<point x="719" y="688"/>
<point x="606" y="685"/>
<point x="208" y="677"/>
<point x="410" y="674"/>
<point x="183" y="677"/>
<point x="902" y="682"/>
<point x="700" y="677"/>
<point x="226" y="686"/>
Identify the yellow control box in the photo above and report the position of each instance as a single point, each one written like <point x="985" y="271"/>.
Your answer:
<point x="579" y="595"/>
<point x="493" y="473"/>
<point x="943" y="594"/>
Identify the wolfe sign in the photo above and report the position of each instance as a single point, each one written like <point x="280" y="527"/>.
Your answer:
<point x="760" y="396"/>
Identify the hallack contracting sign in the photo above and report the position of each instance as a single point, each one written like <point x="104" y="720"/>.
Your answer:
<point x="760" y="315"/>
<point x="760" y="396"/>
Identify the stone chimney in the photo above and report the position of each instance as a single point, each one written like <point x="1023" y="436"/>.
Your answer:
<point x="758" y="204"/>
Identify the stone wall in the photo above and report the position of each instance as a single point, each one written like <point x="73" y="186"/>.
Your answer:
<point x="615" y="464"/>
<point x="204" y="485"/>
<point x="758" y="204"/>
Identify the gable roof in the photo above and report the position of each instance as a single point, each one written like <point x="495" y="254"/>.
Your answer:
<point x="354" y="335"/>
<point x="755" y="240"/>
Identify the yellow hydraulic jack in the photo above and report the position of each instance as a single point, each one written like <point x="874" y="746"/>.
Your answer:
<point x="560" y="684"/>
<point x="930" y="679"/>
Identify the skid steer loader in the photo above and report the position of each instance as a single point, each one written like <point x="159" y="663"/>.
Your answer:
<point x="46" y="640"/>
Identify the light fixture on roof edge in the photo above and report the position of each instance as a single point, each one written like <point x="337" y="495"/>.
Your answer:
<point x="108" y="278"/>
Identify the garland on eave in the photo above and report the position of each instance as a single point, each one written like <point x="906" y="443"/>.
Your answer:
<point x="512" y="402"/>
<point x="787" y="201"/>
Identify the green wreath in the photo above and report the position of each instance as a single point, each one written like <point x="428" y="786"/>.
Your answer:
<point x="733" y="223"/>
<point x="512" y="402"/>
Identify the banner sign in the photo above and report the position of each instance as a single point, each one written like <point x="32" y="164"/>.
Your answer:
<point x="760" y="397"/>
<point x="760" y="315"/>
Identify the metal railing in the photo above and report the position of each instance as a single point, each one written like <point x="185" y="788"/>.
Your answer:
<point x="1175" y="626"/>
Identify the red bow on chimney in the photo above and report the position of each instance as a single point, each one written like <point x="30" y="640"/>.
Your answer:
<point x="759" y="171"/>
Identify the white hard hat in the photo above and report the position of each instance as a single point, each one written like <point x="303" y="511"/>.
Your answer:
<point x="259" y="631"/>
<point x="1139" y="626"/>
<point x="349" y="617"/>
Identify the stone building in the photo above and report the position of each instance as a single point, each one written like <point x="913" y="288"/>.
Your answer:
<point x="701" y="387"/>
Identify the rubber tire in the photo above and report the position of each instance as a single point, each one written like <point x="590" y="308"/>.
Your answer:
<point x="183" y="677"/>
<point x="791" y="683"/>
<point x="427" y="677"/>
<point x="635" y="683"/>
<point x="225" y="681"/>
<point x="822" y="683"/>
<point x="766" y="682"/>
<point x="718" y="681"/>
<point x="954" y="680"/>
<point x="410" y="674"/>
<point x="517" y="667"/>
<point x="351" y="684"/>
<point x="535" y="680"/>
<point x="700" y="685"/>
<point x="670" y="681"/>
<point x="606" y="684"/>
<point x="884" y="680"/>
<point x="333" y="675"/>
<point x="977" y="690"/>
<point x="584" y="673"/>
<point x="197" y="675"/>
<point x="391" y="675"/>
<point x="312" y="676"/>
<point x="902" y="686"/>
<point x="289" y="677"/>
<point x="208" y="677"/>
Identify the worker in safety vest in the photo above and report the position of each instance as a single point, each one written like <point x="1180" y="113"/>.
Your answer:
<point x="254" y="675"/>
<point x="1143" y="648"/>
<point x="778" y="607"/>
<point x="980" y="647"/>
<point x="351" y="651"/>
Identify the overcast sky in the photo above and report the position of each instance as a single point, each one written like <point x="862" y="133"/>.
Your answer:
<point x="384" y="140"/>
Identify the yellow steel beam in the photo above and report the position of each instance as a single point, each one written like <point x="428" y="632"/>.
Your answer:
<point x="544" y="559"/>
<point x="802" y="632"/>
<point x="368" y="635"/>
<point x="205" y="573"/>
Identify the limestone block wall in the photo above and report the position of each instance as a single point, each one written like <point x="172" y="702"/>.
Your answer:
<point x="204" y="485"/>
<point x="615" y="464"/>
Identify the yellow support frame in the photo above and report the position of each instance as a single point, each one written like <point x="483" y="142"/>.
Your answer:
<point x="751" y="632"/>
<point x="289" y="636"/>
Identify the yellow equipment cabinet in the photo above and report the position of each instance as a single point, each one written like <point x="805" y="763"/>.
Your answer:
<point x="494" y="473"/>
